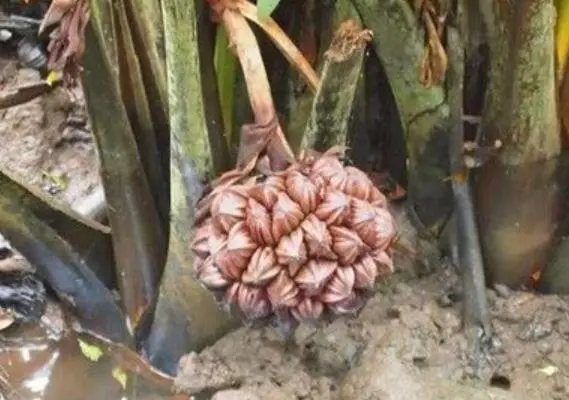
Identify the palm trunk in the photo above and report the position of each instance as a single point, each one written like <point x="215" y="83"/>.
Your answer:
<point x="516" y="191"/>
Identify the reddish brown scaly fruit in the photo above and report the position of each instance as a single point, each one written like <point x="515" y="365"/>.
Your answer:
<point x="305" y="242"/>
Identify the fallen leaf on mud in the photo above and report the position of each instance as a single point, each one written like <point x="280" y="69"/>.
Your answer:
<point x="549" y="370"/>
<point x="52" y="78"/>
<point x="129" y="360"/>
<point x="90" y="351"/>
<point x="6" y="319"/>
<point x="120" y="376"/>
<point x="54" y="182"/>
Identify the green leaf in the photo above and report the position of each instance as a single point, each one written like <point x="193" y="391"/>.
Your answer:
<point x="266" y="7"/>
<point x="90" y="351"/>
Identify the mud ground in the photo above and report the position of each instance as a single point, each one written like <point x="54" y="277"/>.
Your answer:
<point x="407" y="343"/>
<point x="47" y="142"/>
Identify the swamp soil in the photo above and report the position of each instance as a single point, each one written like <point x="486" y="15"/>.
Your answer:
<point x="407" y="343"/>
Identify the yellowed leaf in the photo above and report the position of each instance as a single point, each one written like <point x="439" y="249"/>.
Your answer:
<point x="120" y="376"/>
<point x="91" y="352"/>
<point x="51" y="78"/>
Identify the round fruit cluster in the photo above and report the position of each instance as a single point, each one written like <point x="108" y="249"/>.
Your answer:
<point x="296" y="244"/>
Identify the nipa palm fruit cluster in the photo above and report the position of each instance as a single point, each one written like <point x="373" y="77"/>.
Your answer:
<point x="297" y="244"/>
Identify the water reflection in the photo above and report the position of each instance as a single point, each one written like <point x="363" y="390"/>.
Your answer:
<point x="54" y="370"/>
<point x="45" y="362"/>
<point x="39" y="380"/>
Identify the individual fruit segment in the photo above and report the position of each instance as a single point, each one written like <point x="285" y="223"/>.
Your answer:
<point x="258" y="220"/>
<point x="291" y="251"/>
<point x="347" y="244"/>
<point x="318" y="239"/>
<point x="228" y="207"/>
<point x="313" y="276"/>
<point x="253" y="302"/>
<point x="334" y="208"/>
<point x="268" y="191"/>
<point x="262" y="267"/>
<point x="366" y="272"/>
<point x="211" y="276"/>
<point x="307" y="310"/>
<point x="302" y="190"/>
<point x="357" y="184"/>
<point x="340" y="285"/>
<point x="283" y="293"/>
<point x="287" y="216"/>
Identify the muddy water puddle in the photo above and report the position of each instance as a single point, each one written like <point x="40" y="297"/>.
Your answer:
<point x="40" y="363"/>
<point x="36" y="365"/>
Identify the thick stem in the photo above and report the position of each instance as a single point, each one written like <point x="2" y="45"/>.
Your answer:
<point x="147" y="117"/>
<point x="322" y="22"/>
<point x="469" y="250"/>
<point x="516" y="192"/>
<point x="328" y="123"/>
<point x="186" y="317"/>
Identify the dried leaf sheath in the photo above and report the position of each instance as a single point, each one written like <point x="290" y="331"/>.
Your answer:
<point x="266" y="133"/>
